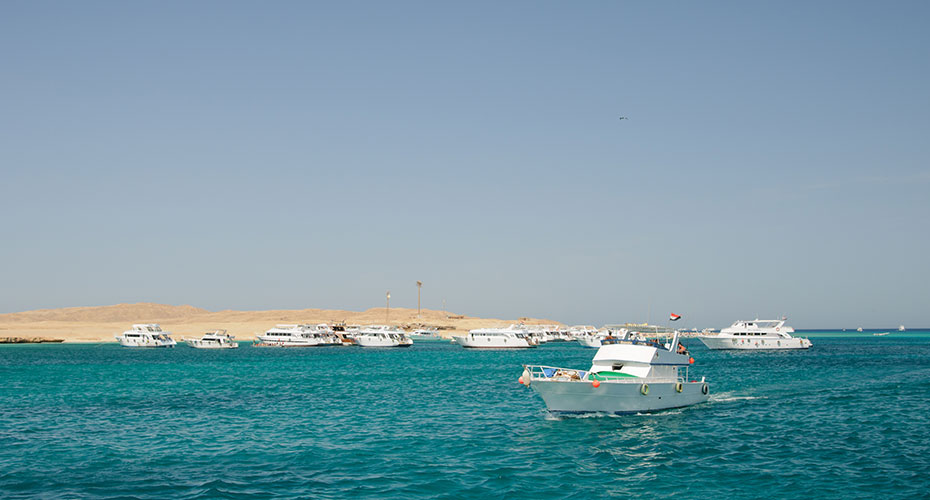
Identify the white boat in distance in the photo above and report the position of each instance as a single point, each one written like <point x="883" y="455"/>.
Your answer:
<point x="901" y="328"/>
<point x="298" y="336"/>
<point x="382" y="336"/>
<point x="756" y="335"/>
<point x="626" y="376"/>
<point x="146" y="335"/>
<point x="512" y="337"/>
<point x="217" y="339"/>
<point x="425" y="334"/>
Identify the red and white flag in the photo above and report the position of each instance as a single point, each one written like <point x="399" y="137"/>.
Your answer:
<point x="674" y="317"/>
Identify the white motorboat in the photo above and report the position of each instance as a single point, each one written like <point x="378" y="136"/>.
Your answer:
<point x="756" y="335"/>
<point x="859" y="329"/>
<point x="382" y="336"/>
<point x="901" y="328"/>
<point x="217" y="339"/>
<point x="512" y="337"/>
<point x="882" y="334"/>
<point x="146" y="335"/>
<point x="298" y="336"/>
<point x="626" y="376"/>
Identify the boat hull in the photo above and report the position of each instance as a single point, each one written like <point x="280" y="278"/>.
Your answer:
<point x="125" y="342"/>
<point x="591" y="342"/>
<point x="483" y="343"/>
<point x="574" y="397"/>
<point x="755" y="343"/>
<point x="365" y="342"/>
<point x="198" y="345"/>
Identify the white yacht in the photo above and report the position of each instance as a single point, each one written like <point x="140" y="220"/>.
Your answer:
<point x="756" y="335"/>
<point x="512" y="337"/>
<point x="217" y="339"/>
<point x="626" y="376"/>
<point x="298" y="336"/>
<point x="382" y="336"/>
<point x="901" y="328"/>
<point x="146" y="335"/>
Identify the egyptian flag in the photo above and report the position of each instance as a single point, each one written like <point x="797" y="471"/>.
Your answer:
<point x="674" y="317"/>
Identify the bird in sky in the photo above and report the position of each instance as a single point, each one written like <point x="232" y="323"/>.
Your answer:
<point x="624" y="118"/>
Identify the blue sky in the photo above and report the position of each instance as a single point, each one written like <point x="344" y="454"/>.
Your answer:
<point x="252" y="155"/>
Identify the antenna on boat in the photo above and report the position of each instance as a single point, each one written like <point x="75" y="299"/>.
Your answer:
<point x="387" y="310"/>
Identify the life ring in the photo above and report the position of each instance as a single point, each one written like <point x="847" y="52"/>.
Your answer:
<point x="644" y="389"/>
<point x="679" y="387"/>
<point x="705" y="389"/>
<point x="776" y="328"/>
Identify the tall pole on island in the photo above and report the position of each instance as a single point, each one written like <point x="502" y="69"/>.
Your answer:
<point x="419" y="286"/>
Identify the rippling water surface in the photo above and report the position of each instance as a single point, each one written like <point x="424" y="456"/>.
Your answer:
<point x="850" y="418"/>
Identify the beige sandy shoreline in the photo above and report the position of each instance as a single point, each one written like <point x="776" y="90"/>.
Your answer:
<point x="102" y="323"/>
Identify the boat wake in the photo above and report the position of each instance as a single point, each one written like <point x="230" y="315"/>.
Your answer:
<point x="726" y="398"/>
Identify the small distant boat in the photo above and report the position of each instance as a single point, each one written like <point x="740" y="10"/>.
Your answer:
<point x="901" y="328"/>
<point x="217" y="339"/>
<point x="881" y="334"/>
<point x="859" y="329"/>
<point x="146" y="335"/>
<point x="756" y="335"/>
<point x="382" y="336"/>
<point x="627" y="376"/>
<point x="425" y="334"/>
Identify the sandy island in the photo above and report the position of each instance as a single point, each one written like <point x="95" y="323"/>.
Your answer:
<point x="102" y="323"/>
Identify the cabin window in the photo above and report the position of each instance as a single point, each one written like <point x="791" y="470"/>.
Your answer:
<point x="616" y="367"/>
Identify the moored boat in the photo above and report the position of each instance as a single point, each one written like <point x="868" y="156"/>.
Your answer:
<point x="298" y="336"/>
<point x="756" y="335"/>
<point x="382" y="336"/>
<point x="512" y="337"/>
<point x="426" y="334"/>
<point x="146" y="335"/>
<point x="217" y="339"/>
<point x="626" y="376"/>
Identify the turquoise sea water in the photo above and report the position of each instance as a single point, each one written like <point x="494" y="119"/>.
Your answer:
<point x="848" y="419"/>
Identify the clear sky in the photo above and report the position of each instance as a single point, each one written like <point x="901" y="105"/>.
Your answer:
<point x="255" y="155"/>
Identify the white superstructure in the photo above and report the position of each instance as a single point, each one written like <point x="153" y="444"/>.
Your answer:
<point x="626" y="376"/>
<point x="146" y="335"/>
<point x="382" y="336"/>
<point x="298" y="336"/>
<point x="217" y="339"/>
<point x="756" y="335"/>
<point x="512" y="337"/>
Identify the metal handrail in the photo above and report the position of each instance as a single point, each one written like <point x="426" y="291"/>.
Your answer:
<point x="569" y="374"/>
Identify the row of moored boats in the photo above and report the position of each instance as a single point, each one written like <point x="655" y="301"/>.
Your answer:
<point x="151" y="335"/>
<point x="743" y="335"/>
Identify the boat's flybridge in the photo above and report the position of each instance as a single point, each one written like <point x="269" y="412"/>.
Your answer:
<point x="147" y="328"/>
